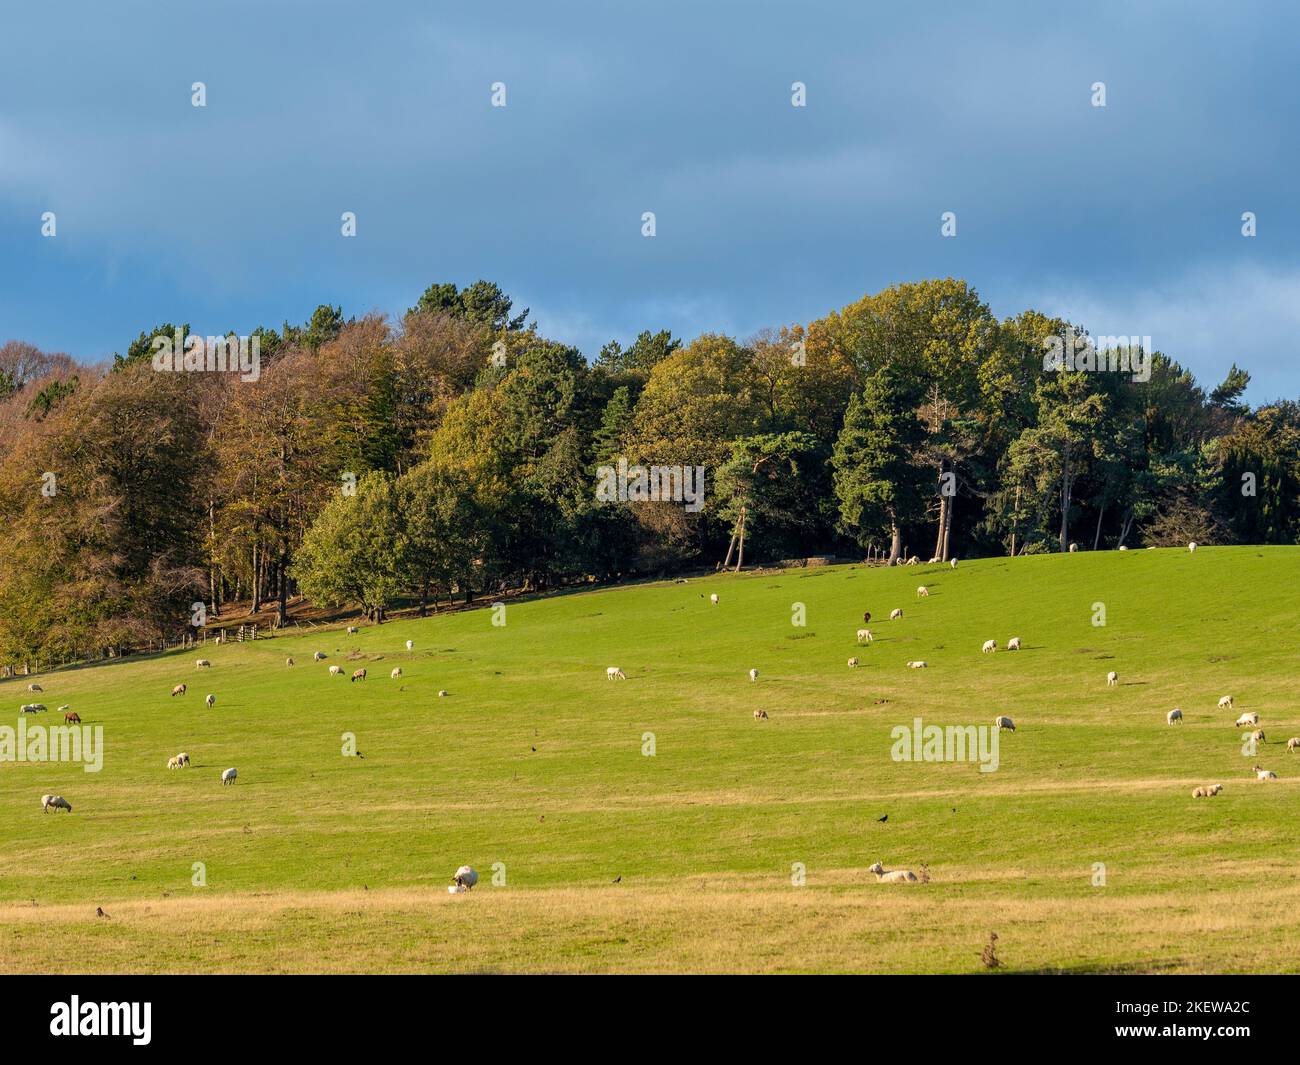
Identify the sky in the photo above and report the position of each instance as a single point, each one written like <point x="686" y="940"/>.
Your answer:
<point x="1126" y="219"/>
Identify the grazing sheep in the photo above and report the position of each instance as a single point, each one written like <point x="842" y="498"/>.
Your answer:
<point x="1293" y="743"/>
<point x="228" y="776"/>
<point x="211" y="700"/>
<point x="953" y="563"/>
<point x="1122" y="547"/>
<point x="288" y="661"/>
<point x="183" y="758"/>
<point x="760" y="715"/>
<point x="55" y="802"/>
<point x="336" y="671"/>
<point x="864" y="636"/>
<point x="1074" y="548"/>
<point x="896" y="614"/>
<point x="1174" y="715"/>
<point x="396" y="673"/>
<point x="318" y="656"/>
<point x="934" y="559"/>
<point x="40" y="708"/>
<point x="1112" y="679"/>
<point x="1264" y="774"/>
<point x="614" y="673"/>
<point x="1013" y="644"/>
<point x="202" y="663"/>
<point x="1191" y="546"/>
<point x="1003" y="722"/>
<point x="893" y="876"/>
<point x="72" y="718"/>
<point x="353" y="630"/>
<point x="990" y="647"/>
<point x="35" y="688"/>
<point x="853" y="662"/>
<point x="464" y="879"/>
<point x="358" y="674"/>
<point x="410" y="645"/>
<point x="173" y="763"/>
<point x="1207" y="792"/>
<point x="1251" y="718"/>
<point x="65" y="706"/>
<point x="916" y="665"/>
<point x="714" y="598"/>
<point x="27" y="708"/>
<point x="442" y="694"/>
<point x="922" y="592"/>
<point x="179" y="689"/>
<point x="753" y="675"/>
<point x="1258" y="736"/>
<point x="1225" y="703"/>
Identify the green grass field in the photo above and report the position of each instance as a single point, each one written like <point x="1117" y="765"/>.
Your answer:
<point x="319" y="862"/>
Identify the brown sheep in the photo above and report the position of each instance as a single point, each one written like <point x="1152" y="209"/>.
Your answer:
<point x="179" y="689"/>
<point x="72" y="718"/>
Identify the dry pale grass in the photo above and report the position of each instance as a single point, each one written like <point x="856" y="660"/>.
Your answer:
<point x="728" y="926"/>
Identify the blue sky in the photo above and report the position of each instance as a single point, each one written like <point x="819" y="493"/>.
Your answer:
<point x="1124" y="218"/>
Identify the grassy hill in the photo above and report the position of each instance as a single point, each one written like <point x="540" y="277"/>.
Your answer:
<point x="316" y="861"/>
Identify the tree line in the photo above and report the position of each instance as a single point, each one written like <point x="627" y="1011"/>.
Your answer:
<point x="455" y="451"/>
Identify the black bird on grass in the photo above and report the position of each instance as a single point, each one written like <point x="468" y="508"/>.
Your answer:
<point x="617" y="879"/>
<point x="882" y="820"/>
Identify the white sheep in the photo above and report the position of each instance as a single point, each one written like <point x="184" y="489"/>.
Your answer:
<point x="336" y="671"/>
<point x="760" y="715"/>
<point x="228" y="776"/>
<point x="173" y="763"/>
<point x="864" y="636"/>
<point x="1003" y="722"/>
<point x="1013" y="644"/>
<point x="1074" y="548"/>
<point x="922" y="592"/>
<point x="853" y="663"/>
<point x="410" y="645"/>
<point x="1293" y="743"/>
<point x="1174" y="715"/>
<point x="353" y="630"/>
<point x="35" y="688"/>
<point x="464" y="879"/>
<point x="55" y="802"/>
<point x="211" y="700"/>
<point x="953" y="563"/>
<point x="183" y="758"/>
<point x="202" y="663"/>
<point x="318" y="656"/>
<point x="1207" y="791"/>
<point x="893" y="876"/>
<point x="1251" y="718"/>
<point x="1122" y="547"/>
<point x="614" y="673"/>
<point x="396" y="673"/>
<point x="27" y="708"/>
<point x="179" y="689"/>
<point x="443" y="694"/>
<point x="916" y="665"/>
<point x="1264" y="774"/>
<point x="990" y="646"/>
<point x="714" y="598"/>
<point x="1191" y="546"/>
<point x="1258" y="736"/>
<point x="896" y="613"/>
<point x="1225" y="703"/>
<point x="753" y="675"/>
<point x="1112" y="679"/>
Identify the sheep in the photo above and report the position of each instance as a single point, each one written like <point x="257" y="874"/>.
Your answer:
<point x="173" y="763"/>
<point x="410" y="645"/>
<point x="896" y="614"/>
<point x="183" y="758"/>
<point x="65" y="707"/>
<point x="1293" y="743"/>
<point x="353" y="630"/>
<point x="359" y="674"/>
<point x="990" y="647"/>
<point x="714" y="598"/>
<point x="1112" y="679"/>
<point x="1264" y="774"/>
<point x="443" y="694"/>
<point x="35" y="688"/>
<point x="760" y="715"/>
<point x="35" y="708"/>
<point x="464" y="879"/>
<point x="1074" y="548"/>
<point x="1208" y="791"/>
<point x="853" y="662"/>
<point x="180" y="689"/>
<point x="1174" y="715"/>
<point x="934" y="559"/>
<point x="55" y="802"/>
<point x="1013" y="644"/>
<point x="1003" y="722"/>
<point x="288" y="661"/>
<point x="396" y="673"/>
<point x="336" y="671"/>
<point x="953" y="563"/>
<point x="211" y="701"/>
<point x="864" y="636"/>
<point x="72" y="718"/>
<point x="202" y="663"/>
<point x="228" y="776"/>
<point x="614" y="673"/>
<point x="1192" y="546"/>
<point x="27" y="708"/>
<point x="753" y="675"/>
<point x="916" y="665"/>
<point x="893" y="876"/>
<point x="1225" y="703"/>
<point x="318" y="656"/>
<point x="1122" y="547"/>
<point x="1258" y="736"/>
<point x="1251" y="718"/>
<point x="922" y="592"/>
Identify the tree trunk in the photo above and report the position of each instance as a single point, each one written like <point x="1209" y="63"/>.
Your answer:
<point x="1096" y="540"/>
<point x="282" y="610"/>
<point x="1065" y="498"/>
<point x="947" y="526"/>
<point x="740" y="555"/>
<point x="895" y="539"/>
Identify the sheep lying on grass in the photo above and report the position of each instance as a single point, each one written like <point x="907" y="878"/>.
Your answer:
<point x="893" y="876"/>
<point x="1264" y="774"/>
<point x="1207" y="792"/>
<point x="444" y="692"/>
<point x="55" y="802"/>
<point x="916" y="665"/>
